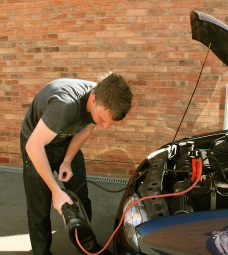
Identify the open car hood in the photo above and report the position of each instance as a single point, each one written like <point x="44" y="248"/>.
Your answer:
<point x="208" y="30"/>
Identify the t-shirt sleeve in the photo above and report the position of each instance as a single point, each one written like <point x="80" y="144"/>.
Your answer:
<point x="58" y="113"/>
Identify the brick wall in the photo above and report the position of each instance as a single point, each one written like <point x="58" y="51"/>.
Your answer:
<point x="148" y="42"/>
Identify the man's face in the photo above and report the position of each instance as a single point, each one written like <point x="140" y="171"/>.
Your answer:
<point x="101" y="116"/>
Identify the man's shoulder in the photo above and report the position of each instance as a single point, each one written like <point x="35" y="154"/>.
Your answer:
<point x="74" y="88"/>
<point x="73" y="82"/>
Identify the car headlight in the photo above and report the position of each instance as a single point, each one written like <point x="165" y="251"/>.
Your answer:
<point x="133" y="217"/>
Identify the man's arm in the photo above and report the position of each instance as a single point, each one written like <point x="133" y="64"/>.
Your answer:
<point x="65" y="172"/>
<point x="40" y="137"/>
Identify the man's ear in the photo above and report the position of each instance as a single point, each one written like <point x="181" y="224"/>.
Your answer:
<point x="91" y="102"/>
<point x="93" y="98"/>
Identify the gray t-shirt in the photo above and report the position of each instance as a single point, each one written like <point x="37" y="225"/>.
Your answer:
<point x="62" y="106"/>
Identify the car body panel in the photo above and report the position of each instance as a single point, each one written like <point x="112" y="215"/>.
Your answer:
<point x="183" y="233"/>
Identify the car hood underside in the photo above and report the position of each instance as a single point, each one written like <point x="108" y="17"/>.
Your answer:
<point x="211" y="32"/>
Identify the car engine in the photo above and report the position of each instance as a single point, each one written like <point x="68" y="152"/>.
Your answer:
<point x="171" y="170"/>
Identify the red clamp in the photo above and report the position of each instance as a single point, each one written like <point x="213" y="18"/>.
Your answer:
<point x="196" y="166"/>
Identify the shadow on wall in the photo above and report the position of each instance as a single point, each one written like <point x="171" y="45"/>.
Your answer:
<point x="214" y="109"/>
<point x="107" y="162"/>
<point x="205" y="116"/>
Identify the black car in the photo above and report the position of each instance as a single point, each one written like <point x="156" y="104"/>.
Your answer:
<point x="177" y="200"/>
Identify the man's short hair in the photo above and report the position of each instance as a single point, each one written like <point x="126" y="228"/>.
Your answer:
<point x="114" y="94"/>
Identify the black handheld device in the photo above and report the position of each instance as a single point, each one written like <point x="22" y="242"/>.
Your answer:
<point x="75" y="217"/>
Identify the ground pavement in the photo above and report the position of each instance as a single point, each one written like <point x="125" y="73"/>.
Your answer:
<point x="14" y="238"/>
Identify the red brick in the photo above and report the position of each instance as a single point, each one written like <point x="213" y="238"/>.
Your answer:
<point x="4" y="160"/>
<point x="149" y="42"/>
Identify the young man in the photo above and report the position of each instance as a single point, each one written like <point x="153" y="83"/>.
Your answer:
<point x="56" y="125"/>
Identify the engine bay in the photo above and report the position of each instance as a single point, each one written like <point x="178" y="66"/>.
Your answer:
<point x="171" y="169"/>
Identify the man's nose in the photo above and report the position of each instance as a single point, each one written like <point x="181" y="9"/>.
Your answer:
<point x="106" y="125"/>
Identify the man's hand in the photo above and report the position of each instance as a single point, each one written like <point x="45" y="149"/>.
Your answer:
<point x="59" y="198"/>
<point x="65" y="172"/>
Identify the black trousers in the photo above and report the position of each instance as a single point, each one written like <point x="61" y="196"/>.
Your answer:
<point x="39" y="197"/>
